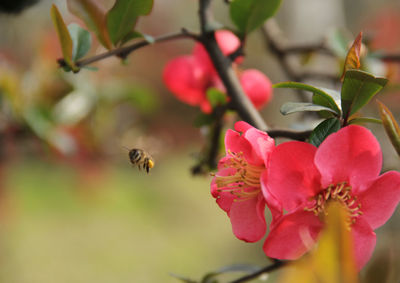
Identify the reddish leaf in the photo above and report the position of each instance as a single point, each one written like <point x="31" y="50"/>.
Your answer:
<point x="63" y="36"/>
<point x="94" y="17"/>
<point x="391" y="126"/>
<point x="352" y="60"/>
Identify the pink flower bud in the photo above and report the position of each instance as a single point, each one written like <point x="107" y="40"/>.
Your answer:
<point x="257" y="86"/>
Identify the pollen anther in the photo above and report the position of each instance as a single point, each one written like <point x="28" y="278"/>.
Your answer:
<point x="340" y="192"/>
<point x="244" y="183"/>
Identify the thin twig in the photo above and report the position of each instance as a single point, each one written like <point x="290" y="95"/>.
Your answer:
<point x="223" y="65"/>
<point x="212" y="148"/>
<point x="123" y="52"/>
<point x="275" y="43"/>
<point x="276" y="265"/>
<point x="321" y="48"/>
<point x="389" y="57"/>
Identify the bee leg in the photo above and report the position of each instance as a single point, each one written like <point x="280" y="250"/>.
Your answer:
<point x="147" y="168"/>
<point x="139" y="167"/>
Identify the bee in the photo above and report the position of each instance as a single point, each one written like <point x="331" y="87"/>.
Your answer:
<point x="142" y="158"/>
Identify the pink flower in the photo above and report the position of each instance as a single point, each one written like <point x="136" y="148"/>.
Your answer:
<point x="188" y="77"/>
<point x="236" y="186"/>
<point x="344" y="168"/>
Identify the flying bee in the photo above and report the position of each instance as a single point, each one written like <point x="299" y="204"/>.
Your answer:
<point x="142" y="158"/>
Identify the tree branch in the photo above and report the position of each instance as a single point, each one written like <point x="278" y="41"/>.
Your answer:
<point x="273" y="40"/>
<point x="276" y="265"/>
<point x="223" y="65"/>
<point x="124" y="51"/>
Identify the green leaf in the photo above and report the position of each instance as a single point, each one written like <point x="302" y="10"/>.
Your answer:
<point x="357" y="90"/>
<point x="131" y="35"/>
<point x="81" y="40"/>
<point x="391" y="126"/>
<point x="216" y="97"/>
<point x="210" y="278"/>
<point x="122" y="17"/>
<point x="334" y="94"/>
<point x="363" y="120"/>
<point x="94" y="17"/>
<point x="246" y="268"/>
<point x="293" y="107"/>
<point x="323" y="130"/>
<point x="64" y="37"/>
<point x="148" y="38"/>
<point x="243" y="268"/>
<point x="248" y="15"/>
<point x="321" y="96"/>
<point x="203" y="120"/>
<point x="321" y="100"/>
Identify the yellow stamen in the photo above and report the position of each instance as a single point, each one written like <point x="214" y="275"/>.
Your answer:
<point x="244" y="183"/>
<point x="340" y="192"/>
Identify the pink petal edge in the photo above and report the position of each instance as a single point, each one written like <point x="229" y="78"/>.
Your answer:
<point x="380" y="199"/>
<point x="248" y="220"/>
<point x="352" y="154"/>
<point x="293" y="235"/>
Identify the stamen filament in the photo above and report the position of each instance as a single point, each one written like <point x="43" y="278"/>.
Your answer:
<point x="244" y="183"/>
<point x="341" y="193"/>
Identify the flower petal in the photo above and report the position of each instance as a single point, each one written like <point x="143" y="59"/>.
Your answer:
<point x="364" y="240"/>
<point x="262" y="144"/>
<point x="274" y="206"/>
<point x="242" y="126"/>
<point x="248" y="220"/>
<point x="206" y="107"/>
<point x="352" y="154"/>
<point x="292" y="175"/>
<point x="235" y="142"/>
<point x="187" y="79"/>
<point x="293" y="236"/>
<point x="228" y="42"/>
<point x="223" y="198"/>
<point x="380" y="199"/>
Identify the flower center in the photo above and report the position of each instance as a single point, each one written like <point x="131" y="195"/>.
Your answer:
<point x="244" y="183"/>
<point x="341" y="193"/>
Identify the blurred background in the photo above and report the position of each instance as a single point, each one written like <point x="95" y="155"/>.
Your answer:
<point x="72" y="208"/>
